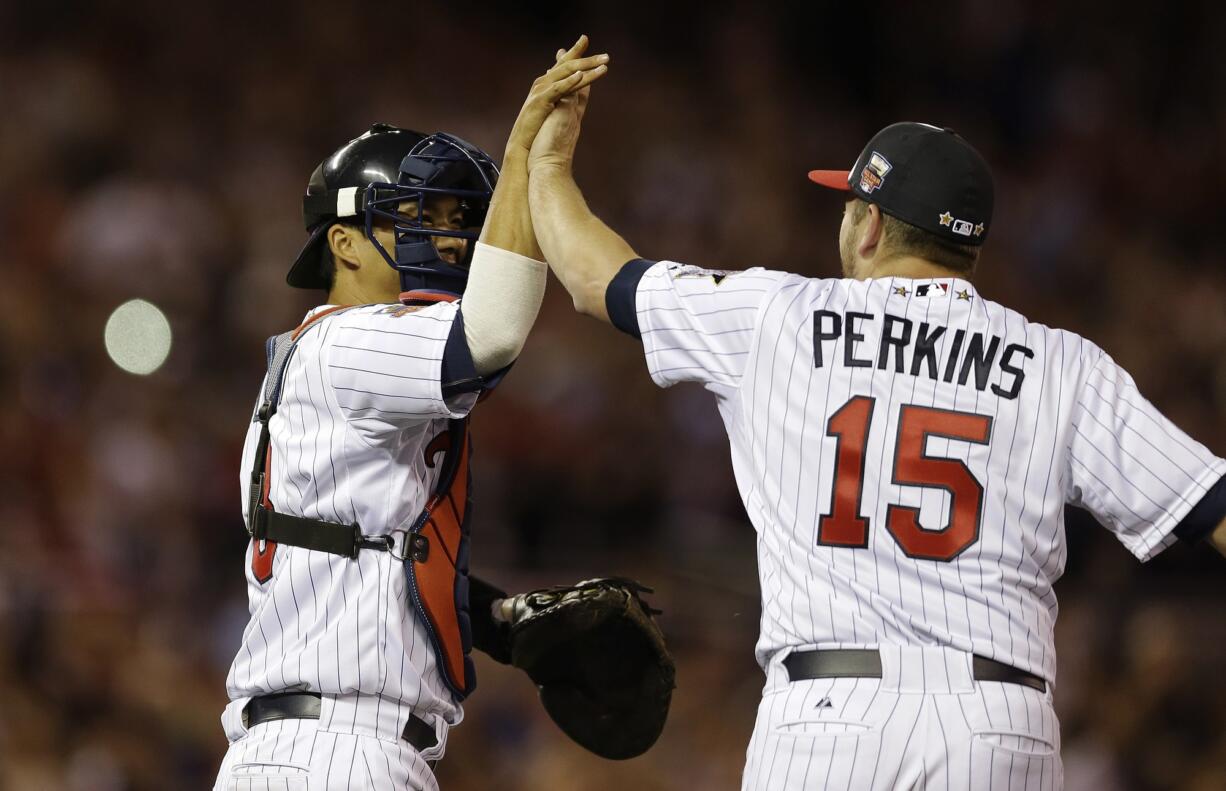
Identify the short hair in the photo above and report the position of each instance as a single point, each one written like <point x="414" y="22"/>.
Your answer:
<point x="904" y="238"/>
<point x="327" y="266"/>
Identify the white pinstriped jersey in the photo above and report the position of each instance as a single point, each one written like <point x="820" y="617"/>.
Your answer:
<point x="905" y="448"/>
<point x="361" y="401"/>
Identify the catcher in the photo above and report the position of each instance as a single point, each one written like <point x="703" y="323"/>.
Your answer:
<point x="355" y="661"/>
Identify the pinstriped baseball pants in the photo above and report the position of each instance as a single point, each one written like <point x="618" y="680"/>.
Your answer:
<point x="354" y="746"/>
<point x="924" y="725"/>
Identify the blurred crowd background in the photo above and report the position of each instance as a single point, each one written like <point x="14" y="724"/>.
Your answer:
<point x="158" y="150"/>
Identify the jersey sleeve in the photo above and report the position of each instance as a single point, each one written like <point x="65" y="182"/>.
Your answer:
<point x="696" y="325"/>
<point x="386" y="363"/>
<point x="1137" y="472"/>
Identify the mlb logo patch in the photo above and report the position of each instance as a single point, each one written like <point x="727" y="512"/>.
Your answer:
<point x="931" y="290"/>
<point x="961" y="227"/>
<point x="874" y="172"/>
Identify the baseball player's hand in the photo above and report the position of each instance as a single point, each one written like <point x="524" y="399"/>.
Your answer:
<point x="570" y="73"/>
<point x="554" y="145"/>
<point x="508" y="224"/>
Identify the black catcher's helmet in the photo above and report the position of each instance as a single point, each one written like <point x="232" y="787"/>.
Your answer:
<point x="370" y="177"/>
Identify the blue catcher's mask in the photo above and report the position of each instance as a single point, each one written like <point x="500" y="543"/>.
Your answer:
<point x="438" y="165"/>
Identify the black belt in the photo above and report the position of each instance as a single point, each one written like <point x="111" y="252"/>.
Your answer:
<point x="866" y="663"/>
<point x="305" y="706"/>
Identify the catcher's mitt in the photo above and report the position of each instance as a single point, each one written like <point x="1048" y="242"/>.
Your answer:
<point x="605" y="676"/>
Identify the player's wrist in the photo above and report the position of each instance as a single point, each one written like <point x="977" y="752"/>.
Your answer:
<point x="550" y="169"/>
<point x="515" y="154"/>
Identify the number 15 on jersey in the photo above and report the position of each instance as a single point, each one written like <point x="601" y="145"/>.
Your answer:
<point x="845" y="526"/>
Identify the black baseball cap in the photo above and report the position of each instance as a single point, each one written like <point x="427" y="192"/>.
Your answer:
<point x="924" y="175"/>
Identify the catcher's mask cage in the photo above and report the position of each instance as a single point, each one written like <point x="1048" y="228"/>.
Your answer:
<point x="369" y="179"/>
<point x="439" y="165"/>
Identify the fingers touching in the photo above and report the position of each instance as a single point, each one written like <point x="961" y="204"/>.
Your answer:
<point x="576" y="49"/>
<point x="578" y="80"/>
<point x="571" y="71"/>
<point x="570" y="76"/>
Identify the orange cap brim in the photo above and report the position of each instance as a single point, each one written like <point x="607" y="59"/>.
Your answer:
<point x="834" y="179"/>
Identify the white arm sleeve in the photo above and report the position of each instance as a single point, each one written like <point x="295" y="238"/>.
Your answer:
<point x="500" y="304"/>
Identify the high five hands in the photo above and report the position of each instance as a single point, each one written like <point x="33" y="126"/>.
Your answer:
<point x="548" y="124"/>
<point x="581" y="250"/>
<point x="508" y="224"/>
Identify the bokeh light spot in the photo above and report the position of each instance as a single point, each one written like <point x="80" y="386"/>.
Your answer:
<point x="138" y="337"/>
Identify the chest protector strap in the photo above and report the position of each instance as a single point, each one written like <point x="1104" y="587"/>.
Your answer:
<point x="263" y="522"/>
<point x="436" y="561"/>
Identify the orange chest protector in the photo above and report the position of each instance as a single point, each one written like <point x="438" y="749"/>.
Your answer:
<point x="436" y="561"/>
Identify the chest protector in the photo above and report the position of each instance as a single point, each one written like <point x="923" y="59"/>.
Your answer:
<point x="437" y="561"/>
<point x="434" y="549"/>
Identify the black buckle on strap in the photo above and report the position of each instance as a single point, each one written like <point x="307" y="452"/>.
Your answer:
<point x="377" y="543"/>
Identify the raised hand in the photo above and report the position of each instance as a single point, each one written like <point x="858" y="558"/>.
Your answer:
<point x="583" y="252"/>
<point x="554" y="145"/>
<point x="508" y="224"/>
<point x="571" y="73"/>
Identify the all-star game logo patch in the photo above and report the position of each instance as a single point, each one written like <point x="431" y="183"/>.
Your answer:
<point x="396" y="311"/>
<point x="874" y="173"/>
<point x="688" y="271"/>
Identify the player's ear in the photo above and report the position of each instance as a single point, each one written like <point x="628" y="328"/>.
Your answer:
<point x="872" y="229"/>
<point x="342" y="241"/>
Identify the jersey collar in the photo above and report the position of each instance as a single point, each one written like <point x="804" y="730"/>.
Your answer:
<point x="427" y="295"/>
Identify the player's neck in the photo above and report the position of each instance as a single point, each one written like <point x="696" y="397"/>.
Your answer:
<point x="913" y="267"/>
<point x="349" y="292"/>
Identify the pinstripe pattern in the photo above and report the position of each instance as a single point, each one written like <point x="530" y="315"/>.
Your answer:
<point x="361" y="401"/>
<point x="1129" y="464"/>
<point x="310" y="755"/>
<point x="924" y="725"/>
<point x="1077" y="431"/>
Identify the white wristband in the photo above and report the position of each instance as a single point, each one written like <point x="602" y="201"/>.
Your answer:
<point x="500" y="304"/>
